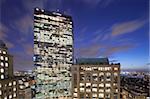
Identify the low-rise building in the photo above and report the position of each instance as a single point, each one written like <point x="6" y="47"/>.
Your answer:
<point x="8" y="84"/>
<point x="95" y="78"/>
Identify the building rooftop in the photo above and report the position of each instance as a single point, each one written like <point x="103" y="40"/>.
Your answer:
<point x="53" y="13"/>
<point x="2" y="45"/>
<point x="92" y="61"/>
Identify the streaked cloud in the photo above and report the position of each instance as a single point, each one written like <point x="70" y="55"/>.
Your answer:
<point x="22" y="61"/>
<point x="113" y="49"/>
<point x="24" y="24"/>
<point x="127" y="27"/>
<point x="4" y="34"/>
<point x="28" y="49"/>
<point x="3" y="30"/>
<point x="88" y="51"/>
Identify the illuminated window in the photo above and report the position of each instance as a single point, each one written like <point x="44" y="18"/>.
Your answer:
<point x="2" y="58"/>
<point x="115" y="68"/>
<point x="2" y="64"/>
<point x="94" y="89"/>
<point x="10" y="96"/>
<point x="14" y="89"/>
<point x="2" y="70"/>
<point x="115" y="74"/>
<point x="94" y="85"/>
<point x="94" y="95"/>
<point x="107" y="85"/>
<point x="21" y="87"/>
<point x="0" y="92"/>
<point x="88" y="90"/>
<point x="108" y="74"/>
<point x="5" y="97"/>
<point x="6" y="64"/>
<point x="4" y="52"/>
<point x="81" y="84"/>
<point x="75" y="89"/>
<point x="101" y="85"/>
<point x="88" y="84"/>
<point x="101" y="90"/>
<point x="2" y="76"/>
<point x="116" y="90"/>
<point x="101" y="95"/>
<point x="6" y="58"/>
<point x="107" y="90"/>
<point x="82" y="89"/>
<point x="101" y="74"/>
<point x="14" y="82"/>
<point x="10" y="84"/>
<point x="75" y="94"/>
<point x="14" y="95"/>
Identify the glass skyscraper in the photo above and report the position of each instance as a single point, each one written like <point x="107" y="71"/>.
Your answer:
<point x="53" y="54"/>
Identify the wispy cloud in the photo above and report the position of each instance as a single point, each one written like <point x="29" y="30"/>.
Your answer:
<point x="127" y="27"/>
<point x="110" y="50"/>
<point x="28" y="49"/>
<point x="22" y="62"/>
<point x="3" y="31"/>
<point x="24" y="24"/>
<point x="88" y="51"/>
<point x="4" y="34"/>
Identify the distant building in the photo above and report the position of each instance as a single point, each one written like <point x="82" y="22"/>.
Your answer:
<point x="134" y="87"/>
<point x="53" y="54"/>
<point x="25" y="91"/>
<point x="132" y="94"/>
<point x="95" y="78"/>
<point x="8" y="84"/>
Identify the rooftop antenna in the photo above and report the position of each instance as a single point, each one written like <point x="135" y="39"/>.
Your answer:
<point x="57" y="10"/>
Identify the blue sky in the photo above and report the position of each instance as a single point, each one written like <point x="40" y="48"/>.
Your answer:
<point x="118" y="29"/>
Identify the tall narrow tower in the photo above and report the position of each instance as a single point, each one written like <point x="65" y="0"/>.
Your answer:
<point x="53" y="54"/>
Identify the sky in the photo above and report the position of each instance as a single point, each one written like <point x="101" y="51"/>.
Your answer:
<point x="117" y="29"/>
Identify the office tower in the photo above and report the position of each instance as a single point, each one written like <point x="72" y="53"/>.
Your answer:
<point x="95" y="78"/>
<point x="53" y="53"/>
<point x="8" y="85"/>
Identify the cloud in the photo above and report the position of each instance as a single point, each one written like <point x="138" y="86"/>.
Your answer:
<point x="102" y="50"/>
<point x="9" y="44"/>
<point x="88" y="51"/>
<point x="110" y="50"/>
<point x="127" y="27"/>
<point x="28" y="49"/>
<point x="22" y="62"/>
<point x="4" y="34"/>
<point x="101" y="35"/>
<point x="24" y="24"/>
<point x="3" y="31"/>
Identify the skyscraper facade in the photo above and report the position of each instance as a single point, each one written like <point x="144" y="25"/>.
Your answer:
<point x="53" y="54"/>
<point x="95" y="78"/>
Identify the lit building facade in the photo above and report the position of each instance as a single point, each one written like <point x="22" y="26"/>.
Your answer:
<point x="24" y="89"/>
<point x="95" y="78"/>
<point x="53" y="54"/>
<point x="8" y="85"/>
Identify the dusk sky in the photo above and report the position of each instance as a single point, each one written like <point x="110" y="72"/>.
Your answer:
<point x="117" y="29"/>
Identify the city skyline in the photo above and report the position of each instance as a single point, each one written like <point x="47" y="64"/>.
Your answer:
<point x="116" y="29"/>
